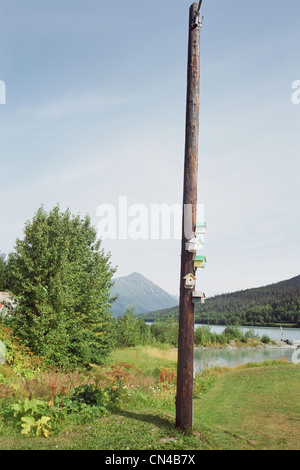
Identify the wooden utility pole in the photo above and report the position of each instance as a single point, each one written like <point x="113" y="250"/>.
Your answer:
<point x="184" y="397"/>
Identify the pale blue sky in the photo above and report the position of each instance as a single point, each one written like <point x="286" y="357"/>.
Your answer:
<point x="95" y="109"/>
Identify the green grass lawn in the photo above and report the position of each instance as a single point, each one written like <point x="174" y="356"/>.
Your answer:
<point x="246" y="408"/>
<point x="257" y="408"/>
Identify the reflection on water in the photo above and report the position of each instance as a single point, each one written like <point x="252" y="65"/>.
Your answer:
<point x="235" y="357"/>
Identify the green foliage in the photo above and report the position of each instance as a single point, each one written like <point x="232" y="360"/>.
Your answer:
<point x="203" y="335"/>
<point x="42" y="426"/>
<point x="131" y="331"/>
<point x="126" y="329"/>
<point x="166" y="331"/>
<point x="233" y="332"/>
<point x="4" y="275"/>
<point x="62" y="280"/>
<point x="85" y="402"/>
<point x="19" y="357"/>
<point x="203" y="383"/>
<point x="265" y="339"/>
<point x="31" y="416"/>
<point x="250" y="333"/>
<point x="28" y="407"/>
<point x="90" y="395"/>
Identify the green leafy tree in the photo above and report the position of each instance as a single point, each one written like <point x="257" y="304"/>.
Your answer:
<point x="3" y="275"/>
<point x="165" y="331"/>
<point x="127" y="329"/>
<point x="62" y="280"/>
<point x="144" y="332"/>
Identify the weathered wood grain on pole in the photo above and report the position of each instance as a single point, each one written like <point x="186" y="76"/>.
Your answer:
<point x="184" y="397"/>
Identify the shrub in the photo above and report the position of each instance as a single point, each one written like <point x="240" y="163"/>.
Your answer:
<point x="251" y="334"/>
<point x="165" y="331"/>
<point x="90" y="395"/>
<point x="22" y="360"/>
<point x="265" y="339"/>
<point x="233" y="332"/>
<point x="127" y="329"/>
<point x="204" y="336"/>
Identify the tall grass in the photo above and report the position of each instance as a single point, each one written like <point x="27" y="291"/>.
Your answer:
<point x="148" y="358"/>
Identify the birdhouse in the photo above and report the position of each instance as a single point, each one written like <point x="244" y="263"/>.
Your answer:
<point x="199" y="262"/>
<point x="200" y="228"/>
<point x="195" y="244"/>
<point x="198" y="296"/>
<point x="189" y="281"/>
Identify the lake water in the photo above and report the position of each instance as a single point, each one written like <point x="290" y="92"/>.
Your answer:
<point x="234" y="357"/>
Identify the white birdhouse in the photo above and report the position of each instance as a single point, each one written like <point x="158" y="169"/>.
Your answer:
<point x="195" y="244"/>
<point x="190" y="281"/>
<point x="198" y="296"/>
<point x="201" y="228"/>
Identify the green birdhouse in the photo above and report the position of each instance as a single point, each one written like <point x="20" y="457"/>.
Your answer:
<point x="199" y="262"/>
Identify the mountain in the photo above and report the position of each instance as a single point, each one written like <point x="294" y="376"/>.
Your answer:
<point x="269" y="305"/>
<point x="138" y="291"/>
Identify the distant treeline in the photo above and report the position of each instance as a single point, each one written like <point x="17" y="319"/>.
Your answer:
<point x="131" y="331"/>
<point x="264" y="306"/>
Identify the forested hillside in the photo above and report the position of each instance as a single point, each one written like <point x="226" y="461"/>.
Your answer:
<point x="269" y="305"/>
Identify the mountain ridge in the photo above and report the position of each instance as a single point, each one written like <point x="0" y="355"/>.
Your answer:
<point x="266" y="305"/>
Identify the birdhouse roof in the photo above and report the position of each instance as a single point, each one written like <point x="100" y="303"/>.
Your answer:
<point x="189" y="275"/>
<point x="198" y="293"/>
<point x="200" y="258"/>
<point x="196" y="240"/>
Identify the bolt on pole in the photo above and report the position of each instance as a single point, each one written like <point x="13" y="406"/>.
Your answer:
<point x="184" y="397"/>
